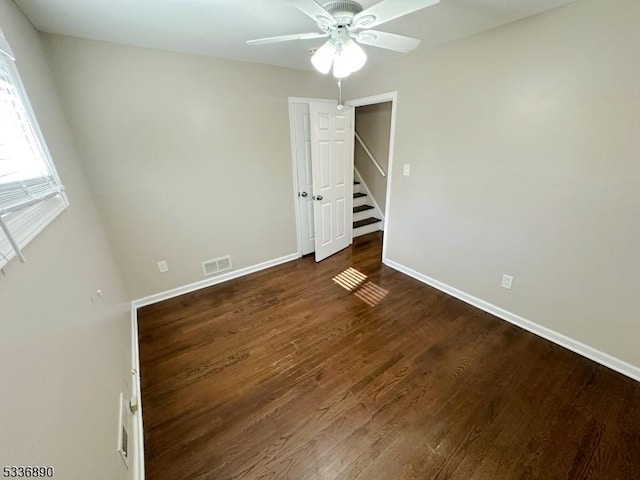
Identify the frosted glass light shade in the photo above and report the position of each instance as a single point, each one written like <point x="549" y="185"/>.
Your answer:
<point x="346" y="57"/>
<point x="341" y="66"/>
<point x="354" y="54"/>
<point x="323" y="58"/>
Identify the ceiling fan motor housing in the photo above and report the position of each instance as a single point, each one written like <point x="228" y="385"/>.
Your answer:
<point x="343" y="11"/>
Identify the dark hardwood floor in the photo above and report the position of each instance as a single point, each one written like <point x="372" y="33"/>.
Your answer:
<point x="286" y="374"/>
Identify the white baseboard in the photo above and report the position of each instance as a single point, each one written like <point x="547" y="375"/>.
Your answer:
<point x="192" y="287"/>
<point x="591" y="353"/>
<point x="138" y="429"/>
<point x="137" y="443"/>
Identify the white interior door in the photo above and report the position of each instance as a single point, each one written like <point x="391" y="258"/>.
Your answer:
<point x="332" y="172"/>
<point x="302" y="145"/>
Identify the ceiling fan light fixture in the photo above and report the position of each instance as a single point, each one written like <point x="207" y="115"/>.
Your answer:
<point x="367" y="37"/>
<point x="324" y="23"/>
<point x="349" y="58"/>
<point x="365" y="21"/>
<point x="354" y="55"/>
<point x="341" y="66"/>
<point x="341" y="20"/>
<point x="324" y="57"/>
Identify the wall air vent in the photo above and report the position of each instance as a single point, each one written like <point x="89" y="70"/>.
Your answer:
<point x="123" y="431"/>
<point x="217" y="265"/>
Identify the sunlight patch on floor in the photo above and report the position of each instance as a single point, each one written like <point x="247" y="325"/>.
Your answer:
<point x="371" y="293"/>
<point x="350" y="279"/>
<point x="356" y="282"/>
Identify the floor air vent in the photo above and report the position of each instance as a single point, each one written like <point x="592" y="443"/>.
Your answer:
<point x="217" y="265"/>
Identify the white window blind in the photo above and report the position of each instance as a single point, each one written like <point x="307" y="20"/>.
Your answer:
<point x="31" y="194"/>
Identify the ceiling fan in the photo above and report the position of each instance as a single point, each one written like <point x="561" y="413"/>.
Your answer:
<point x="347" y="24"/>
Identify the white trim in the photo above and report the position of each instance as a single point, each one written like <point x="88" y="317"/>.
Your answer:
<point x="378" y="210"/>
<point x="373" y="99"/>
<point x="311" y="100"/>
<point x="296" y="204"/>
<point x="192" y="287"/>
<point x="137" y="425"/>
<point x="580" y="348"/>
<point x="381" y="98"/>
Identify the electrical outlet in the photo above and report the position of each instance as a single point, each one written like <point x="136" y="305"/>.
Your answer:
<point x="507" y="280"/>
<point x="406" y="169"/>
<point x="163" y="266"/>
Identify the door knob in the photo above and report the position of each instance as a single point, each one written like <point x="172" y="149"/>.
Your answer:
<point x="318" y="197"/>
<point x="303" y="194"/>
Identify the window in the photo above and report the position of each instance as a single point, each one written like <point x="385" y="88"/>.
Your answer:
<point x="31" y="194"/>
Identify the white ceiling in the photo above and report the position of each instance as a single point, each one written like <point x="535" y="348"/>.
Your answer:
<point x="220" y="28"/>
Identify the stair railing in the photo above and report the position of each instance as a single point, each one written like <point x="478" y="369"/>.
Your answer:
<point x="370" y="155"/>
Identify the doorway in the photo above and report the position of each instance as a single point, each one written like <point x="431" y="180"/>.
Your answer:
<point x="303" y="169"/>
<point x="371" y="162"/>
<point x="375" y="122"/>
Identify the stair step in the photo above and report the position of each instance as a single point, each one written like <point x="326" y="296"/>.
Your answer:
<point x="362" y="208"/>
<point x="366" y="221"/>
<point x="358" y="195"/>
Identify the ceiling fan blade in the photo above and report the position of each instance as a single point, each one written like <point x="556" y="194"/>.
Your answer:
<point x="316" y="12"/>
<point x="390" y="41"/>
<point x="287" y="38"/>
<point x="388" y="10"/>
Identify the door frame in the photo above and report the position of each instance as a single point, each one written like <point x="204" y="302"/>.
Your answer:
<point x="294" y="161"/>
<point x="372" y="100"/>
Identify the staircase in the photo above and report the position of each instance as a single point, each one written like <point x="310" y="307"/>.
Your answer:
<point x="364" y="219"/>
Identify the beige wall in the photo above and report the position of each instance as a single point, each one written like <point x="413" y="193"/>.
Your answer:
<point x="524" y="147"/>
<point x="63" y="359"/>
<point x="373" y="124"/>
<point x="189" y="156"/>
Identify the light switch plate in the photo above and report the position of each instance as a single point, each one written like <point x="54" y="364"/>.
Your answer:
<point x="406" y="169"/>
